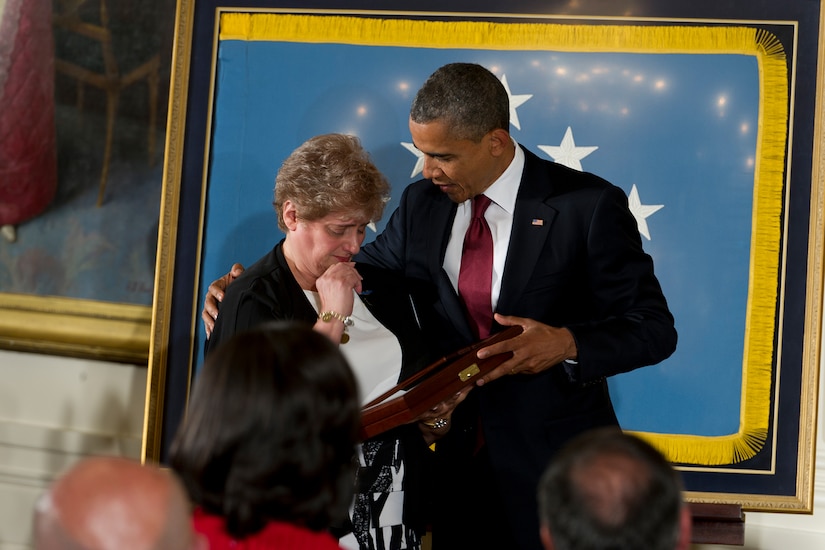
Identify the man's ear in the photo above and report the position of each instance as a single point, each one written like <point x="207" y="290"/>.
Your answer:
<point x="546" y="539"/>
<point x="500" y="141"/>
<point x="290" y="215"/>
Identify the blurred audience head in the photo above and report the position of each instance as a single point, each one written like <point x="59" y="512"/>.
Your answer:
<point x="271" y="431"/>
<point x="110" y="503"/>
<point x="611" y="490"/>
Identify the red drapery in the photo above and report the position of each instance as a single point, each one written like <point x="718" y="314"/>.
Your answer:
<point x="28" y="159"/>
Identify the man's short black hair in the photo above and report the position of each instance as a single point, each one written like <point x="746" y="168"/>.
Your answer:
<point x="611" y="490"/>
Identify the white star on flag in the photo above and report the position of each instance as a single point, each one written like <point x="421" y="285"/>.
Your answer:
<point x="641" y="211"/>
<point x="567" y="153"/>
<point x="515" y="102"/>
<point x="419" y="156"/>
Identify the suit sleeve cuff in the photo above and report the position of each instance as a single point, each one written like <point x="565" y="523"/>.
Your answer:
<point x="573" y="371"/>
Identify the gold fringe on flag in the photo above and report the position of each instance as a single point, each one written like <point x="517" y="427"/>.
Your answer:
<point x="756" y="399"/>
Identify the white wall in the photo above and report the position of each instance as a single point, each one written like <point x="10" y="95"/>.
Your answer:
<point x="54" y="410"/>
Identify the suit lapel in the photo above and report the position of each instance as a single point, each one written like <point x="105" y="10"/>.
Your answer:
<point x="441" y="220"/>
<point x="532" y="220"/>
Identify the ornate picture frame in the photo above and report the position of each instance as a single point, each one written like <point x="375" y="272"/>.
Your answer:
<point x="81" y="174"/>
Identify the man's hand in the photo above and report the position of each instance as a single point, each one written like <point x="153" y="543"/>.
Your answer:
<point x="214" y="295"/>
<point x="435" y="423"/>
<point x="536" y="349"/>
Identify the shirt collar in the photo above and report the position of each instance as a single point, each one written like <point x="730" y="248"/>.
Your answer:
<point x="504" y="190"/>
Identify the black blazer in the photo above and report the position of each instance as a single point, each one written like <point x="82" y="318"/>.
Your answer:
<point x="268" y="291"/>
<point x="575" y="260"/>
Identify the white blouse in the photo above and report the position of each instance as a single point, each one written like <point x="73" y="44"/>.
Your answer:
<point x="372" y="351"/>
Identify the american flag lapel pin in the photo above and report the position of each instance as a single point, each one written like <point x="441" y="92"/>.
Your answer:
<point x="537" y="221"/>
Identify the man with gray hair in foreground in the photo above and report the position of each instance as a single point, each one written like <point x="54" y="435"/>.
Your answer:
<point x="107" y="503"/>
<point x="608" y="490"/>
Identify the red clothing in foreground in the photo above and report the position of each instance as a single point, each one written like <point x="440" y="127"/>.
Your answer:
<point x="275" y="536"/>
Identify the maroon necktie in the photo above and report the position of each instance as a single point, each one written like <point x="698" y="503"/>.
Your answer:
<point x="475" y="278"/>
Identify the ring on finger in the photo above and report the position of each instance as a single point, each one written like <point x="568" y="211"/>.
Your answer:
<point x="437" y="424"/>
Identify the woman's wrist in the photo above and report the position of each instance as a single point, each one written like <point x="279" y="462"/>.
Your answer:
<point x="329" y="315"/>
<point x="334" y="325"/>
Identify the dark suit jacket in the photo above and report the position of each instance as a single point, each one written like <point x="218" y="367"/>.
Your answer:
<point x="575" y="260"/>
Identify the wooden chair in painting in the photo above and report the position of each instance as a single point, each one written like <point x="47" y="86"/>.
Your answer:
<point x="112" y="59"/>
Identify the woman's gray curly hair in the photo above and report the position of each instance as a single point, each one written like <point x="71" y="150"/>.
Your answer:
<point x="331" y="173"/>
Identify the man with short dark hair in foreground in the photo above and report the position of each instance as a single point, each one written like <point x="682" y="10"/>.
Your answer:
<point x="611" y="490"/>
<point x="108" y="503"/>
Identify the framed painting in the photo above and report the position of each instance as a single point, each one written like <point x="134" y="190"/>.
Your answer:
<point x="81" y="173"/>
<point x="706" y="115"/>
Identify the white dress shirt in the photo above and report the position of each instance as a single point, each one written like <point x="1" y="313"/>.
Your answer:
<point x="499" y="216"/>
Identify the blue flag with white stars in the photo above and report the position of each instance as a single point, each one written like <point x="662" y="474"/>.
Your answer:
<point x="678" y="132"/>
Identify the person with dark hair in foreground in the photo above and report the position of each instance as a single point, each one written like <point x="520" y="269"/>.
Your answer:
<point x="266" y="450"/>
<point x="112" y="503"/>
<point x="608" y="490"/>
